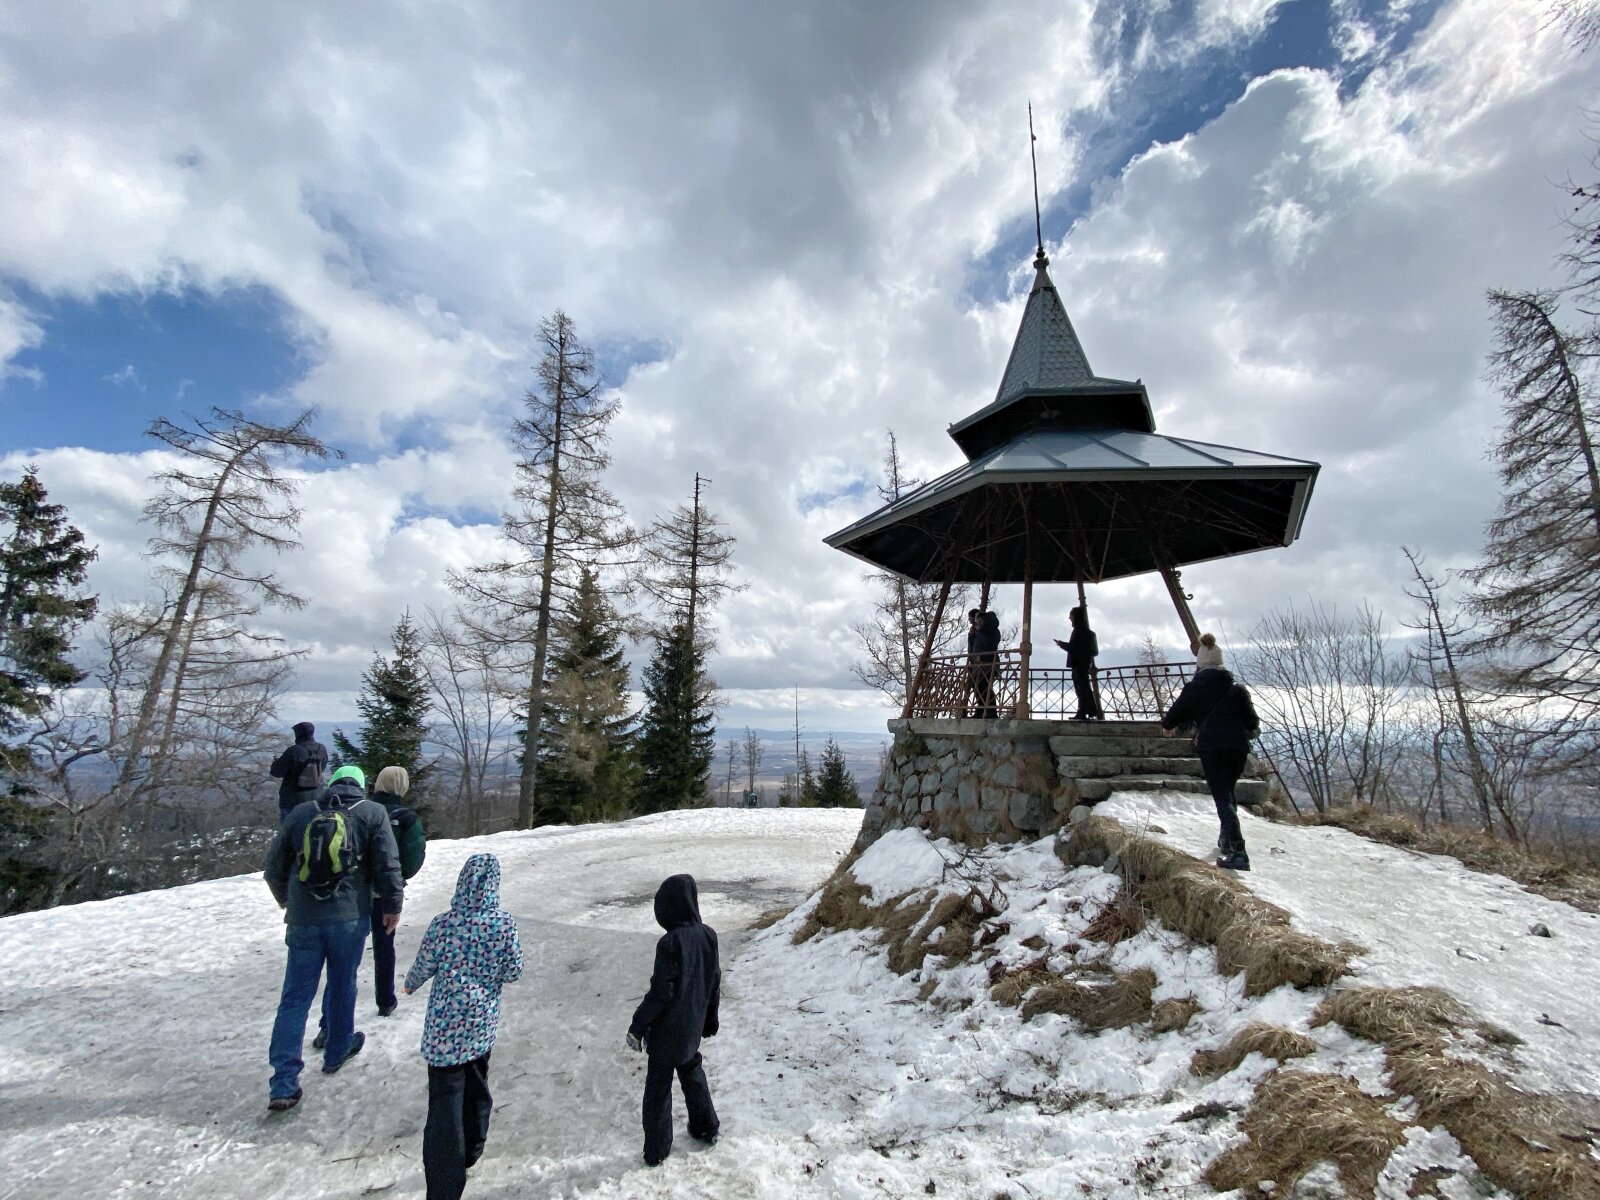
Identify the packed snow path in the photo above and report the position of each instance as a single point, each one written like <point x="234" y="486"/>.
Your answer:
<point x="133" y="1032"/>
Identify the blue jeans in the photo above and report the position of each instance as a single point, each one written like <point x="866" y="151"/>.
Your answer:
<point x="339" y="946"/>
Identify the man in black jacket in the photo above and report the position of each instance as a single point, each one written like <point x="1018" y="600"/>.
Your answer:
<point x="1225" y="721"/>
<point x="1082" y="648"/>
<point x="679" y="1009"/>
<point x="301" y="768"/>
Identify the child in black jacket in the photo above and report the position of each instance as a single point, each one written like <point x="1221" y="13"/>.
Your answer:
<point x="679" y="1009"/>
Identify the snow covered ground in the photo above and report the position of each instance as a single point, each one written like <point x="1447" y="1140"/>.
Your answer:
<point x="133" y="1032"/>
<point x="1424" y="919"/>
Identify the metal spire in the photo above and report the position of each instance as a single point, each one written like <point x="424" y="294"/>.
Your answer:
<point x="1038" y="223"/>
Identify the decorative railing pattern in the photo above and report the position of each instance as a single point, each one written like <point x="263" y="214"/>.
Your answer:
<point x="951" y="687"/>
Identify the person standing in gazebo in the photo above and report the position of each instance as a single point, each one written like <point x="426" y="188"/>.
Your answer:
<point x="1082" y="648"/>
<point x="986" y="654"/>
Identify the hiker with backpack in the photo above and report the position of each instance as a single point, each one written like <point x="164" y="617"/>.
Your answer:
<point x="332" y="863"/>
<point x="390" y="787"/>
<point x="470" y="953"/>
<point x="300" y="769"/>
<point x="1225" y="720"/>
<point x="679" y="1009"/>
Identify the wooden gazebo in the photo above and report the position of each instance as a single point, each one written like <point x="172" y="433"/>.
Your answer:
<point x="1067" y="481"/>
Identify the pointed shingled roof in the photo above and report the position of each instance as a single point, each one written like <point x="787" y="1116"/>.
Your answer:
<point x="1047" y="354"/>
<point x="1048" y="381"/>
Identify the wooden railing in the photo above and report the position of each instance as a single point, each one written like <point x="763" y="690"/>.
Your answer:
<point x="951" y="687"/>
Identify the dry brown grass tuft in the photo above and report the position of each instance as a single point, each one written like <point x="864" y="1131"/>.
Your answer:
<point x="1272" y="1041"/>
<point x="1117" y="921"/>
<point x="1298" y="1119"/>
<point x="958" y="914"/>
<point x="1209" y="906"/>
<point x="841" y="905"/>
<point x="1172" y="1015"/>
<point x="1098" y="999"/>
<point x="771" y="917"/>
<point x="1009" y="986"/>
<point x="1388" y="1015"/>
<point x="1515" y="1140"/>
<point x="1506" y="1135"/>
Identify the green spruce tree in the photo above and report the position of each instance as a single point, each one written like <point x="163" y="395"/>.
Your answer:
<point x="836" y="786"/>
<point x="587" y="769"/>
<point x="43" y="564"/>
<point x="394" y="705"/>
<point x="677" y="732"/>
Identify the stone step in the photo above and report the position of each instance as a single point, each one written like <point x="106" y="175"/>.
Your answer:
<point x="1097" y="745"/>
<point x="1071" y="766"/>
<point x="1248" y="792"/>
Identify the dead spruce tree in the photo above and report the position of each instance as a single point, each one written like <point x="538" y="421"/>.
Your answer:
<point x="202" y="665"/>
<point x="687" y="556"/>
<point x="562" y="519"/>
<point x="891" y="638"/>
<point x="1538" y="583"/>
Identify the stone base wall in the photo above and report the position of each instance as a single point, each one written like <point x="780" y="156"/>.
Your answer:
<point x="974" y="781"/>
<point x="979" y="781"/>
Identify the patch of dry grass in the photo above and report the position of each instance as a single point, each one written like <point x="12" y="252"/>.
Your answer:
<point x="1258" y="1037"/>
<point x="1298" y="1119"/>
<point x="1172" y="1015"/>
<point x="1517" y="1142"/>
<point x="1576" y="884"/>
<point x="771" y="917"/>
<point x="1099" y="999"/>
<point x="1009" y="985"/>
<point x="1209" y="906"/>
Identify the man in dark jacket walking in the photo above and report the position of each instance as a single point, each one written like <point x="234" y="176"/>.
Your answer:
<point x="1225" y="720"/>
<point x="300" y="768"/>
<point x="679" y="1009"/>
<point x="333" y="860"/>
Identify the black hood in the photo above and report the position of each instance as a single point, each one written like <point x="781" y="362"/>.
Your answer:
<point x="1218" y="677"/>
<point x="677" y="902"/>
<point x="344" y="792"/>
<point x="304" y="731"/>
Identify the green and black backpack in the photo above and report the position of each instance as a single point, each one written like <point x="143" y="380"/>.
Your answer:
<point x="328" y="851"/>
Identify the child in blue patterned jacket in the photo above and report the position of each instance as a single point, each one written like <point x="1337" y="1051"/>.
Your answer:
<point x="470" y="952"/>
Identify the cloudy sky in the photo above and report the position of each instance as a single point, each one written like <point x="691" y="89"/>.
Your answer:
<point x="784" y="231"/>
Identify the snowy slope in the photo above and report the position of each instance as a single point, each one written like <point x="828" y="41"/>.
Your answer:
<point x="133" y="1032"/>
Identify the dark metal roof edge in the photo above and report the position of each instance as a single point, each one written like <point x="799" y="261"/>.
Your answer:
<point x="1101" y="386"/>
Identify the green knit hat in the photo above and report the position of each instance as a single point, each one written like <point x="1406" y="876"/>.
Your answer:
<point x="350" y="772"/>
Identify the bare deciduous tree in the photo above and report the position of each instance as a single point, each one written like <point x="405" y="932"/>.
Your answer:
<point x="891" y="638"/>
<point x="475" y="683"/>
<point x="1328" y="689"/>
<point x="752" y="756"/>
<point x="689" y="556"/>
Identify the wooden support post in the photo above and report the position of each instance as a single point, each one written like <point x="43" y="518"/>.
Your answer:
<point x="1083" y="601"/>
<point x="1024" y="707"/>
<point x="933" y="633"/>
<point x="1181" y="603"/>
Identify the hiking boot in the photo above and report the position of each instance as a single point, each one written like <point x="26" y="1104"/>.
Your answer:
<point x="710" y="1139"/>
<point x="320" y="1042"/>
<point x="356" y="1043"/>
<point x="385" y="1010"/>
<point x="284" y="1103"/>
<point x="1236" y="860"/>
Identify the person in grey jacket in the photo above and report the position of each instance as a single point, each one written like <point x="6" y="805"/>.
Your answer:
<point x="328" y="919"/>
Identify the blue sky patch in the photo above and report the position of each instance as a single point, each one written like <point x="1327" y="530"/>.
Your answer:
<point x="113" y="364"/>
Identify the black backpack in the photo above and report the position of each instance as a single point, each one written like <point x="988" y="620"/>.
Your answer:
<point x="328" y="851"/>
<point x="310" y="771"/>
